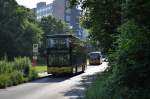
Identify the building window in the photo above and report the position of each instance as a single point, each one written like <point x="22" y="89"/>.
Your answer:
<point x="68" y="18"/>
<point x="67" y="4"/>
<point x="68" y="10"/>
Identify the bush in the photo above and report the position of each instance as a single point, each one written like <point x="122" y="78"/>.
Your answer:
<point x="5" y="67"/>
<point x="33" y="74"/>
<point x="128" y="76"/>
<point x="13" y="73"/>
<point x="4" y="80"/>
<point x="17" y="77"/>
<point x="102" y="88"/>
<point x="23" y="64"/>
<point x="131" y="63"/>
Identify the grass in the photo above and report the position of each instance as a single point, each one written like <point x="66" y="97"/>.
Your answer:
<point x="40" y="68"/>
<point x="101" y="88"/>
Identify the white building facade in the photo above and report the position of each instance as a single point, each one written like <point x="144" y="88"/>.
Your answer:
<point x="60" y="10"/>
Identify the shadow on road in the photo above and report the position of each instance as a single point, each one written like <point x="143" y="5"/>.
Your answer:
<point x="77" y="92"/>
<point x="51" y="79"/>
<point x="54" y="79"/>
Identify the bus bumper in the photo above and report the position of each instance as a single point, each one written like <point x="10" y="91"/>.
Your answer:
<point x="59" y="70"/>
<point x="95" y="62"/>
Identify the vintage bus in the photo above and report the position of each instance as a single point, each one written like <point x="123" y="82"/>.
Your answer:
<point x="66" y="54"/>
<point x="95" y="58"/>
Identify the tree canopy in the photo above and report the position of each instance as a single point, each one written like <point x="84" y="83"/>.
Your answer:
<point x="101" y="18"/>
<point x="122" y="28"/>
<point x="51" y="25"/>
<point x="19" y="30"/>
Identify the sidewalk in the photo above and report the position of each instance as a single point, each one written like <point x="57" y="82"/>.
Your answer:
<point x="44" y="74"/>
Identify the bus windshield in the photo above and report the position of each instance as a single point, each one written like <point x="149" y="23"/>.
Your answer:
<point x="59" y="59"/>
<point x="58" y="43"/>
<point x="94" y="55"/>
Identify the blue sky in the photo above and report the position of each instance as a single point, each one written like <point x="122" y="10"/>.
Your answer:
<point x="32" y="3"/>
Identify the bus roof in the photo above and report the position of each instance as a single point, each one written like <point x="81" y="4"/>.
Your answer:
<point x="60" y="35"/>
<point x="96" y="52"/>
<point x="64" y="36"/>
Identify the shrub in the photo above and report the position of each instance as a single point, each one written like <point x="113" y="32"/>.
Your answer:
<point x="128" y="76"/>
<point x="23" y="64"/>
<point x="5" y="67"/>
<point x="133" y="55"/>
<point x="13" y="73"/>
<point x="4" y="80"/>
<point x="102" y="88"/>
<point x="33" y="74"/>
<point x="17" y="77"/>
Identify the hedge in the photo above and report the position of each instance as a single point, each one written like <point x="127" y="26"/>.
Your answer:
<point x="16" y="72"/>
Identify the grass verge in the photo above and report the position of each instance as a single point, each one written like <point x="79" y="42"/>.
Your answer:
<point x="40" y="68"/>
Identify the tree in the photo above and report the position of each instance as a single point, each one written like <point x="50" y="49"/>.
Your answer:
<point x="101" y="18"/>
<point x="19" y="30"/>
<point x="51" y="25"/>
<point x="124" y="27"/>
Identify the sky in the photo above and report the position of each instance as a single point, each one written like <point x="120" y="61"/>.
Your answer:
<point x="32" y="3"/>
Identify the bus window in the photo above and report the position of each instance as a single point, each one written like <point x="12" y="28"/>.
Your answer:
<point x="59" y="59"/>
<point x="65" y="54"/>
<point x="57" y="43"/>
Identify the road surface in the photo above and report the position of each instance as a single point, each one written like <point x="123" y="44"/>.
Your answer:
<point x="53" y="87"/>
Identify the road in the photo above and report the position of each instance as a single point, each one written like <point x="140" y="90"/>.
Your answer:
<point x="53" y="87"/>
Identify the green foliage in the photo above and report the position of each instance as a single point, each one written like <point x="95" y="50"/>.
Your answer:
<point x="123" y="31"/>
<point x="13" y="73"/>
<point x="33" y="74"/>
<point x="100" y="88"/>
<point x="16" y="77"/>
<point x="23" y="64"/>
<point x="4" y="80"/>
<point x="133" y="55"/>
<point x="101" y="18"/>
<point x="51" y="25"/>
<point x="40" y="69"/>
<point x="19" y="30"/>
<point x="128" y="77"/>
<point x="5" y="67"/>
<point x="138" y="10"/>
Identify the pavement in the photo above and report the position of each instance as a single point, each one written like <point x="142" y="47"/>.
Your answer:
<point x="43" y="74"/>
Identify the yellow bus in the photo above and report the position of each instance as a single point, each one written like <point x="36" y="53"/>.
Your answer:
<point x="65" y="54"/>
<point x="95" y="58"/>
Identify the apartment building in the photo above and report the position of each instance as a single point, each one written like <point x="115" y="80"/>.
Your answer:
<point x="42" y="10"/>
<point x="60" y="10"/>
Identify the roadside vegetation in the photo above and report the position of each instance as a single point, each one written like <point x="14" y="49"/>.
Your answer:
<point x="19" y="30"/>
<point x="16" y="72"/>
<point x="122" y="30"/>
<point x="40" y="68"/>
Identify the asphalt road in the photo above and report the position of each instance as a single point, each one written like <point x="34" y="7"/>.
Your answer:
<point x="53" y="87"/>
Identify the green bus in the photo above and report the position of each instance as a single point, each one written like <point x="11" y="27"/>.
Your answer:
<point x="66" y="54"/>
